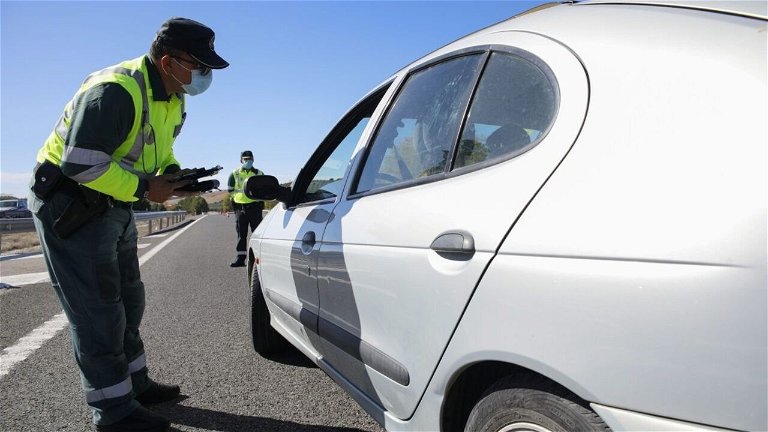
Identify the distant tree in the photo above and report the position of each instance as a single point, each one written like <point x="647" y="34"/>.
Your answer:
<point x="226" y="203"/>
<point x="194" y="205"/>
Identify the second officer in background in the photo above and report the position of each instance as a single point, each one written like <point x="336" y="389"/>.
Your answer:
<point x="247" y="211"/>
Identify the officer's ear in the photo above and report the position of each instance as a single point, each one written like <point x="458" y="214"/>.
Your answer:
<point x="166" y="63"/>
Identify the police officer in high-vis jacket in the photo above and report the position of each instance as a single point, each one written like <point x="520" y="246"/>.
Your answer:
<point x="247" y="211"/>
<point x="112" y="146"/>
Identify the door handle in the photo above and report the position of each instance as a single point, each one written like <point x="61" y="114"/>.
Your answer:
<point x="309" y="238"/>
<point x="308" y="242"/>
<point x="454" y="242"/>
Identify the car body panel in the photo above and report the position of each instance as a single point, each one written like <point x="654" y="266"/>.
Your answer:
<point x="618" y="419"/>
<point x="629" y="267"/>
<point x="288" y="265"/>
<point x="752" y="9"/>
<point x="695" y="352"/>
<point x="379" y="281"/>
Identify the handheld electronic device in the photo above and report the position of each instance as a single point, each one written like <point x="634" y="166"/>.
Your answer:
<point x="200" y="186"/>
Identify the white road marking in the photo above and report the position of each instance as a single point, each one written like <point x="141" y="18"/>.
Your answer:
<point x="31" y="342"/>
<point x="165" y="242"/>
<point x="143" y="245"/>
<point x="28" y="344"/>
<point x="22" y="257"/>
<point x="25" y="279"/>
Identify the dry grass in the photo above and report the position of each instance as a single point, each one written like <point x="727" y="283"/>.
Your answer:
<point x="20" y="242"/>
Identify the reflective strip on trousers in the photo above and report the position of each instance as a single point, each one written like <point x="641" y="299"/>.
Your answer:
<point x="138" y="364"/>
<point x="120" y="389"/>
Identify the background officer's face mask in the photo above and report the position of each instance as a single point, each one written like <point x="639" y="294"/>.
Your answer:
<point x="248" y="164"/>
<point x="200" y="82"/>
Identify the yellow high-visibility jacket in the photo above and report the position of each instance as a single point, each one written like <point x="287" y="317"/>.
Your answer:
<point x="148" y="148"/>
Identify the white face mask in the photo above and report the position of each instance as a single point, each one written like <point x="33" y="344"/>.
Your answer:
<point x="200" y="82"/>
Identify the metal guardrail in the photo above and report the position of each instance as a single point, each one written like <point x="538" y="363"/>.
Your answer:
<point x="17" y="225"/>
<point x="170" y="218"/>
<point x="14" y="225"/>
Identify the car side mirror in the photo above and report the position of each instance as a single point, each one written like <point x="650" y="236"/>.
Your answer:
<point x="266" y="187"/>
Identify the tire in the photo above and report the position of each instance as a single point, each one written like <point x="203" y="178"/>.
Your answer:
<point x="266" y="340"/>
<point x="541" y="407"/>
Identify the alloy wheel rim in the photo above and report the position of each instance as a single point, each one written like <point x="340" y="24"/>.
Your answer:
<point x="523" y="427"/>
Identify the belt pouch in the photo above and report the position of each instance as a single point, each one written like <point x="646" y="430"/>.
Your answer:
<point x="48" y="177"/>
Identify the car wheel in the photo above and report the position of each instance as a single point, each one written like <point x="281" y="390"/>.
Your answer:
<point x="266" y="340"/>
<point x="512" y="407"/>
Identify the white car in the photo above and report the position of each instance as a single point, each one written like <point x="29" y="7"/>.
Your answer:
<point x="556" y="223"/>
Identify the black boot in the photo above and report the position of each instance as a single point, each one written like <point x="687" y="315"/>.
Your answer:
<point x="157" y="393"/>
<point x="140" y="420"/>
<point x="239" y="262"/>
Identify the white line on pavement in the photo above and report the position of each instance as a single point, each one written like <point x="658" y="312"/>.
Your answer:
<point x="31" y="342"/>
<point x="25" y="279"/>
<point x="28" y="344"/>
<point x="143" y="245"/>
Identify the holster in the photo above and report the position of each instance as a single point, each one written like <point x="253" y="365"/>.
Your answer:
<point x="80" y="211"/>
<point x="84" y="205"/>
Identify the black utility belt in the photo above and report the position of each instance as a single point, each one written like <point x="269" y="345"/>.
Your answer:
<point x="85" y="203"/>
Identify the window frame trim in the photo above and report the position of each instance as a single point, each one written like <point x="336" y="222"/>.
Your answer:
<point x="448" y="171"/>
<point x="339" y="131"/>
<point x="478" y="50"/>
<point x="549" y="75"/>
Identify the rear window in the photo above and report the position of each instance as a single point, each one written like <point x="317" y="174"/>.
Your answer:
<point x="513" y="108"/>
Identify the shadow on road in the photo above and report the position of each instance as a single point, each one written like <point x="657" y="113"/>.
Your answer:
<point x="201" y="418"/>
<point x="291" y="356"/>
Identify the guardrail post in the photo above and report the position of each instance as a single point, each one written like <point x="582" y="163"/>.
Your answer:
<point x="150" y="227"/>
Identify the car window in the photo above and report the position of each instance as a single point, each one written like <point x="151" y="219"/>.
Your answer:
<point x="327" y="182"/>
<point x="416" y="136"/>
<point x="514" y="106"/>
<point x="323" y="176"/>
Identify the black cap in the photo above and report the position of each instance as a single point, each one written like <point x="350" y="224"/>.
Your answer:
<point x="193" y="38"/>
<point x="246" y="153"/>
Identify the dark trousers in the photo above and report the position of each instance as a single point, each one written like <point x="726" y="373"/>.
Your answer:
<point x="246" y="215"/>
<point x="95" y="273"/>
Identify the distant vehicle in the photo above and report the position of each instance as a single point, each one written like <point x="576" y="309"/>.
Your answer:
<point x="14" y="208"/>
<point x="557" y="223"/>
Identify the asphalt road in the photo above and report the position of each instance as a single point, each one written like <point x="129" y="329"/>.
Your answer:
<point x="196" y="334"/>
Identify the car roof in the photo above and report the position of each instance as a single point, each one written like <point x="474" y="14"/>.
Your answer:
<point x="751" y="9"/>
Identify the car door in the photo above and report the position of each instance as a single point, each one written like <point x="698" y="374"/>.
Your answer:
<point x="463" y="147"/>
<point x="290" y="241"/>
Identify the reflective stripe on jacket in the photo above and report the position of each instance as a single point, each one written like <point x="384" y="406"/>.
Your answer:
<point x="240" y="176"/>
<point x="148" y="148"/>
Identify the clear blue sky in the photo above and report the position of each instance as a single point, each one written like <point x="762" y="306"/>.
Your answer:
<point x="296" y="68"/>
